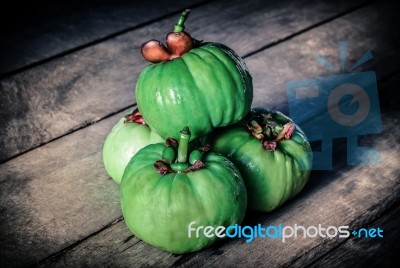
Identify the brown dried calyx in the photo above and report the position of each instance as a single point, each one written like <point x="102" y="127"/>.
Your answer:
<point x="134" y="117"/>
<point x="178" y="43"/>
<point x="266" y="129"/>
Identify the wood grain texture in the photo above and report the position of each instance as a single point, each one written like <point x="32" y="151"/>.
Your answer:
<point x="72" y="91"/>
<point x="113" y="247"/>
<point x="372" y="252"/>
<point x="273" y="68"/>
<point x="346" y="195"/>
<point x="55" y="195"/>
<point x="352" y="196"/>
<point x="43" y="29"/>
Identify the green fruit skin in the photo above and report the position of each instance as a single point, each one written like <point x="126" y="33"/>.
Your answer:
<point x="158" y="209"/>
<point x="209" y="86"/>
<point x="122" y="143"/>
<point x="271" y="178"/>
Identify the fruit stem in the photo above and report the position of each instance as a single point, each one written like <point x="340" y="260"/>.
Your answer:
<point x="183" y="145"/>
<point x="179" y="26"/>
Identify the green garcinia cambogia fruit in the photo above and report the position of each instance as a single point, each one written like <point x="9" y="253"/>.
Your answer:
<point x="124" y="140"/>
<point x="272" y="154"/>
<point x="191" y="83"/>
<point x="164" y="189"/>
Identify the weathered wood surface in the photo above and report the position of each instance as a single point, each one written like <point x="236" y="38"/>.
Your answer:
<point x="357" y="252"/>
<point x="57" y="198"/>
<point x="356" y="196"/>
<point x="352" y="196"/>
<point x="78" y="89"/>
<point x="41" y="30"/>
<point x="274" y="67"/>
<point x="55" y="195"/>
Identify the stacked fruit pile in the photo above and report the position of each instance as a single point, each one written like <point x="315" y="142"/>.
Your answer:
<point x="225" y="159"/>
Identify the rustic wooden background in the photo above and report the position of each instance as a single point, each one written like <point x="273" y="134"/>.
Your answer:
<point x="68" y="70"/>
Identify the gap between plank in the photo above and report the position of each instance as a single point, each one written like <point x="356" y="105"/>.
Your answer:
<point x="96" y="41"/>
<point x="392" y="204"/>
<point x="120" y="218"/>
<point x="131" y="106"/>
<point x="76" y="128"/>
<point x="316" y="25"/>
<point x="88" y="123"/>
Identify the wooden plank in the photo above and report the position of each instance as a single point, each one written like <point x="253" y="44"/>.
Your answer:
<point x="44" y="30"/>
<point x="346" y="197"/>
<point x="352" y="196"/>
<point x="362" y="36"/>
<point x="56" y="195"/>
<point x="347" y="193"/>
<point x="115" y="247"/>
<point x="357" y="252"/>
<point x="72" y="91"/>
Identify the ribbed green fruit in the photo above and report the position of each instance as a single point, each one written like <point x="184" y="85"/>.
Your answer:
<point x="207" y="87"/>
<point x="158" y="208"/>
<point x="122" y="143"/>
<point x="271" y="177"/>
